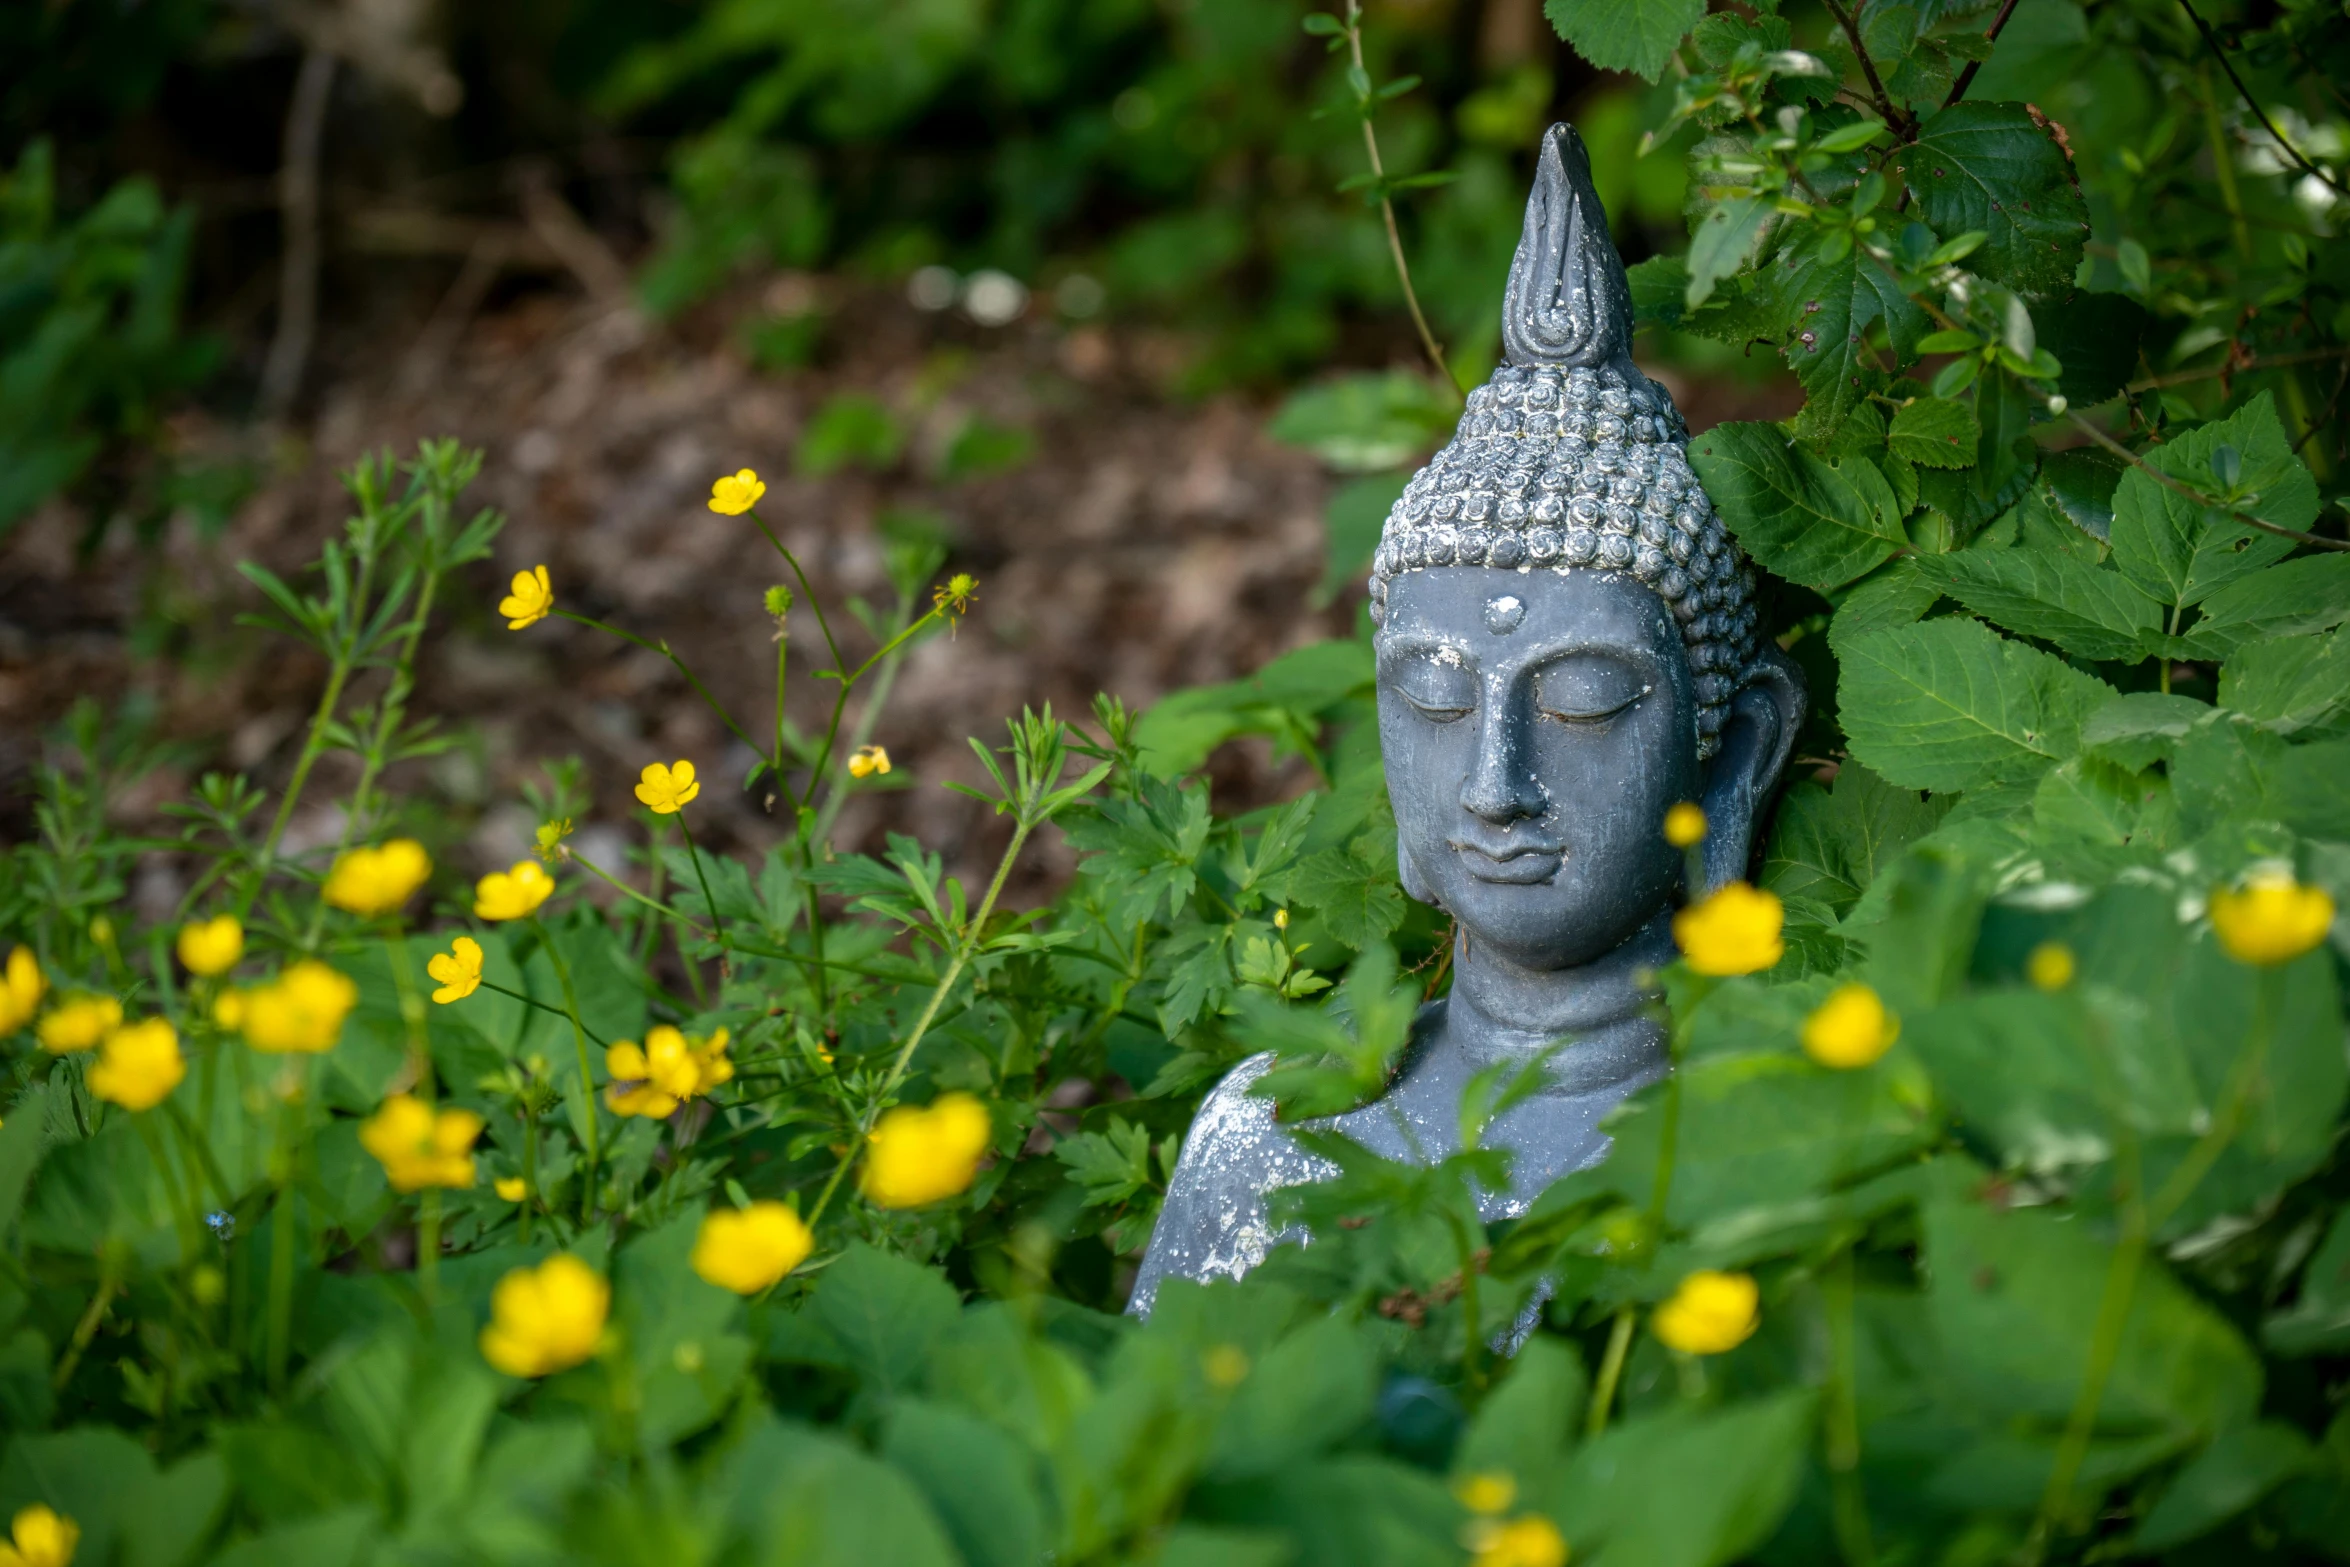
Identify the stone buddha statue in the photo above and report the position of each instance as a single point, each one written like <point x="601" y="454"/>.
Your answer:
<point x="1566" y="648"/>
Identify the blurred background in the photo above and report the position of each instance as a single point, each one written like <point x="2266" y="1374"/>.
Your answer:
<point x="1067" y="290"/>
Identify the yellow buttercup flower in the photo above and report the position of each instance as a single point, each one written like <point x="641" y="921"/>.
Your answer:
<point x="22" y="985"/>
<point x="2051" y="966"/>
<point x="138" y="1066"/>
<point x="1710" y="1312"/>
<point x="514" y="894"/>
<point x="212" y="946"/>
<point x="668" y="1069"/>
<point x="378" y="880"/>
<point x="1685" y="825"/>
<point x="918" y="1156"/>
<point x="419" y="1146"/>
<point x="40" y="1537"/>
<point x="748" y="1250"/>
<point x="78" y="1022"/>
<point x="1735" y="931"/>
<point x="532" y="598"/>
<point x="736" y="493"/>
<point x="511" y="1188"/>
<point x="1529" y="1540"/>
<point x="667" y="790"/>
<point x="228" y="1009"/>
<point x="2272" y="920"/>
<point x="300" y="1012"/>
<point x="1851" y="1028"/>
<point x="867" y="761"/>
<point x="546" y="1319"/>
<point x="1225" y="1365"/>
<point x="1486" y="1493"/>
<point x="458" y="970"/>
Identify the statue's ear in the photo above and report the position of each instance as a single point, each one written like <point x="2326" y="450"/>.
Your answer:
<point x="1757" y="741"/>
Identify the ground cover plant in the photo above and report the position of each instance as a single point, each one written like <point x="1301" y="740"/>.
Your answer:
<point x="685" y="1209"/>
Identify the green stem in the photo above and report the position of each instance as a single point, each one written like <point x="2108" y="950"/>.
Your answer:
<point x="1403" y="271"/>
<point x="619" y="886"/>
<point x="954" y="971"/>
<point x="2140" y="1219"/>
<point x="587" y="1075"/>
<point x="1843" y="1417"/>
<point x="662" y="648"/>
<point x="280" y="1321"/>
<point x="428" y="1247"/>
<point x="1611" y="1371"/>
<point x="807" y="593"/>
<point x="87" y="1328"/>
<point x="533" y="1001"/>
<point x="717" y="924"/>
<point x="530" y="1165"/>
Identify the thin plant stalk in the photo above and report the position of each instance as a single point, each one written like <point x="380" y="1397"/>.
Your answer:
<point x="964" y="948"/>
<point x="587" y="1075"/>
<point x="1403" y="270"/>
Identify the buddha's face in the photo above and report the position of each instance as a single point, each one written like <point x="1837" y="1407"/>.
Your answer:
<point x="1537" y="726"/>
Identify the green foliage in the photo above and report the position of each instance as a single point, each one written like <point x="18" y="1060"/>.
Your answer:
<point x="90" y="340"/>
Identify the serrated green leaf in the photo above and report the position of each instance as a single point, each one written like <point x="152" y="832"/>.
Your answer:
<point x="2298" y="598"/>
<point x="2095" y="337"/>
<point x="2142" y="728"/>
<point x="2239" y="1468"/>
<point x="1831" y="841"/>
<point x="1813" y="522"/>
<point x="2288" y="684"/>
<point x="2181" y="551"/>
<point x="1938" y="432"/>
<point x="1625" y="35"/>
<point x="2080" y="484"/>
<point x="1824" y="307"/>
<point x="1951" y="704"/>
<point x="1993" y="166"/>
<point x="2086" y="610"/>
<point x="1724" y="238"/>
<point x="1899" y="595"/>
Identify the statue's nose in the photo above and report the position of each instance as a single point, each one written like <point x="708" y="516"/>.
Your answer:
<point x="1501" y="789"/>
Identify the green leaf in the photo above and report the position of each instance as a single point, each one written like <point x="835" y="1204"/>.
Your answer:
<point x="1350" y="1511"/>
<point x="129" y="1511"/>
<point x="2289" y="684"/>
<point x="1311" y="1391"/>
<point x="1811" y="521"/>
<point x="1526" y="1427"/>
<point x="983" y="1488"/>
<point x="2239" y="1468"/>
<point x="24" y="1137"/>
<point x="1724" y="239"/>
<point x="1354" y="890"/>
<point x="2318" y="1321"/>
<point x="2095" y="337"/>
<point x="2180" y="551"/>
<point x="1897" y="595"/>
<point x="2080" y="484"/>
<point x="851" y="430"/>
<point x="1938" y="432"/>
<point x="2299" y="597"/>
<point x="1824" y="307"/>
<point x="2088" y="611"/>
<point x="813" y="1500"/>
<point x="1660" y="286"/>
<point x="1363" y="423"/>
<point x="1633" y="1488"/>
<point x="1950" y="704"/>
<point x="1351" y="525"/>
<point x="885" y="1312"/>
<point x="2014" y="1298"/>
<point x="2140" y="729"/>
<point x="1995" y="167"/>
<point x="1831" y="841"/>
<point x="1625" y="35"/>
<point x="336" y="1539"/>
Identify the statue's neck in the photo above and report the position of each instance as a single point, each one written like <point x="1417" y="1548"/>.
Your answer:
<point x="1501" y="1009"/>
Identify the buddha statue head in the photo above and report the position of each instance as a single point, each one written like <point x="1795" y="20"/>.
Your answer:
<point x="1567" y="641"/>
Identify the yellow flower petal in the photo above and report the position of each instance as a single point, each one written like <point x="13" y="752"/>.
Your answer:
<point x="1735" y="931"/>
<point x="2273" y="919"/>
<point x="2051" y="966"/>
<point x="532" y="598"/>
<point x="750" y="1250"/>
<point x="546" y="1319"/>
<point x="667" y="789"/>
<point x="513" y="894"/>
<point x="736" y="493"/>
<point x="212" y="946"/>
<point x="920" y="1156"/>
<point x="1710" y="1313"/>
<point x="1685" y="825"/>
<point x="1852" y="1028"/>
<point x="301" y="1011"/>
<point x="78" y="1023"/>
<point x="458" y="971"/>
<point x="22" y="985"/>
<point x="138" y="1066"/>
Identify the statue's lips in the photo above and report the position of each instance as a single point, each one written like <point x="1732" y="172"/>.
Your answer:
<point x="1514" y="865"/>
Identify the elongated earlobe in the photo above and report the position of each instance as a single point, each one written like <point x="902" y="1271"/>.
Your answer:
<point x="1415" y="887"/>
<point x="1765" y="717"/>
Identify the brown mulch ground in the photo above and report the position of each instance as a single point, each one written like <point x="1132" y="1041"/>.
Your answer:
<point x="1150" y="543"/>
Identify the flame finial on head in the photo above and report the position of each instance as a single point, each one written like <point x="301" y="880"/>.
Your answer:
<point x="1568" y="302"/>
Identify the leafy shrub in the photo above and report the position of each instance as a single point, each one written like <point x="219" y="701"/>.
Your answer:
<point x="776" y="1211"/>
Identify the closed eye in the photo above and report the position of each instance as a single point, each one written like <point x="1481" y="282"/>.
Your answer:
<point x="1435" y="711"/>
<point x="1593" y="719"/>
